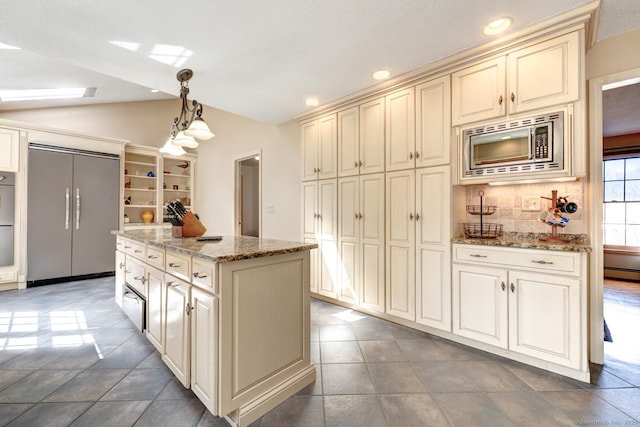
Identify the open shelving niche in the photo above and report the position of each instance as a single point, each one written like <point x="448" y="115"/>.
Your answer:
<point x="143" y="192"/>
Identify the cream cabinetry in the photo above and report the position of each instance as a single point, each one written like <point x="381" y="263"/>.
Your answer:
<point x="9" y="150"/>
<point x="320" y="148"/>
<point x="204" y="327"/>
<point x="320" y="226"/>
<point x="361" y="240"/>
<point x="526" y="301"/>
<point x="119" y="273"/>
<point x="433" y="122"/>
<point x="361" y="139"/>
<point x="155" y="307"/>
<point x="400" y="130"/>
<point x="530" y="78"/>
<point x="176" y="328"/>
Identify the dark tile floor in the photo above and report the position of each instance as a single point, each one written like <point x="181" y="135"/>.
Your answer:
<point x="69" y="356"/>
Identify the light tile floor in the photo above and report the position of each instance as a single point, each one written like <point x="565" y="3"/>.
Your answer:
<point x="69" y="356"/>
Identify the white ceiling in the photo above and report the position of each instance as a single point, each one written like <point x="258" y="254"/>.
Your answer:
<point x="256" y="58"/>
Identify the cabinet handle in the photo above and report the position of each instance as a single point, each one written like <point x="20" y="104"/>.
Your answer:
<point x="152" y="256"/>
<point x="355" y="164"/>
<point x="513" y="97"/>
<point x="137" y="251"/>
<point x="174" y="265"/>
<point x="199" y="276"/>
<point x="173" y="284"/>
<point x="66" y="213"/>
<point x="121" y="265"/>
<point x="77" y="208"/>
<point x="410" y="217"/>
<point x="417" y="216"/>
<point x="478" y="256"/>
<point x="127" y="271"/>
<point x="503" y="286"/>
<point x="356" y="216"/>
<point x="127" y="247"/>
<point x="411" y="155"/>
<point x="359" y="216"/>
<point x="318" y="170"/>
<point x="541" y="261"/>
<point x="513" y="288"/>
<point x="500" y="100"/>
<point x="141" y="279"/>
<point x="360" y="163"/>
<point x="188" y="308"/>
<point x="417" y="155"/>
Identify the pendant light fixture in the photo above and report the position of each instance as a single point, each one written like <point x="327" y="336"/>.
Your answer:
<point x="189" y="125"/>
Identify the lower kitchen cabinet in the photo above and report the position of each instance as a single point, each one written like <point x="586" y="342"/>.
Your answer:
<point x="176" y="332"/>
<point x="526" y="301"/>
<point x="119" y="276"/>
<point x="204" y="334"/>
<point x="155" y="307"/>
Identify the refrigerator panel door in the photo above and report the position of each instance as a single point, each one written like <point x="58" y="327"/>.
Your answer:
<point x="48" y="232"/>
<point x="95" y="201"/>
<point x="7" y="204"/>
<point x="6" y="245"/>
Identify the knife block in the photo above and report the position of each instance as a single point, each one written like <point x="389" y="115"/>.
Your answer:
<point x="192" y="227"/>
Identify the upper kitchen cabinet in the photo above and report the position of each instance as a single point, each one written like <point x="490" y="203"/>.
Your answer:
<point x="531" y="78"/>
<point x="400" y="130"/>
<point x="361" y="139"/>
<point x="433" y="122"/>
<point x="9" y="148"/>
<point x="320" y="148"/>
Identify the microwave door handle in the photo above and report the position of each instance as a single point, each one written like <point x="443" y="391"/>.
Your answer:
<point x="532" y="143"/>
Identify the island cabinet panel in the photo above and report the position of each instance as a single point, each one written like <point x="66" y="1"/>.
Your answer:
<point x="120" y="276"/>
<point x="176" y="338"/>
<point x="204" y="336"/>
<point x="155" y="307"/>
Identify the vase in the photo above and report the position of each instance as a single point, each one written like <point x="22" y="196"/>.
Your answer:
<point x="147" y="217"/>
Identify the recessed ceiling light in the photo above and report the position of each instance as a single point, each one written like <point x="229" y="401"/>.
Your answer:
<point x="381" y="74"/>
<point x="40" y="94"/>
<point x="7" y="46"/>
<point x="497" y="26"/>
<point x="155" y="90"/>
<point x="312" y="102"/>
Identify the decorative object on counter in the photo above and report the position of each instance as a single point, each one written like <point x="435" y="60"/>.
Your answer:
<point x="150" y="174"/>
<point x="189" y="125"/>
<point x="553" y="216"/>
<point x="147" y="217"/>
<point x="482" y="230"/>
<point x="127" y="200"/>
<point x="178" y="215"/>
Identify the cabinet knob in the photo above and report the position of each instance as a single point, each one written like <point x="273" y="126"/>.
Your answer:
<point x="410" y="217"/>
<point x="513" y="288"/>
<point x="121" y="265"/>
<point x="411" y="155"/>
<point x="356" y="164"/>
<point x="417" y="216"/>
<point x="500" y="100"/>
<point x="188" y="309"/>
<point x="360" y="163"/>
<point x="503" y="286"/>
<point x="513" y="97"/>
<point x="417" y="155"/>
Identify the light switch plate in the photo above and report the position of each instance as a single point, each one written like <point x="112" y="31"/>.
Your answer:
<point x="530" y="203"/>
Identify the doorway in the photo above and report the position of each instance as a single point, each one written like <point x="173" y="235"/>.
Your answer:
<point x="248" y="194"/>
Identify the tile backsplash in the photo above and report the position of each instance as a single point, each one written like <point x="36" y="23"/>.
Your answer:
<point x="510" y="212"/>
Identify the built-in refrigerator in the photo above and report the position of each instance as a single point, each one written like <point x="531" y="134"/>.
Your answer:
<point x="7" y="209"/>
<point x="72" y="208"/>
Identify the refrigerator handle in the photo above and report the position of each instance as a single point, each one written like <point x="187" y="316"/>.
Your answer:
<point x="66" y="214"/>
<point x="77" y="208"/>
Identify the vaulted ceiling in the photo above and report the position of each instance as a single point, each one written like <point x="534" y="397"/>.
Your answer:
<point x="256" y="58"/>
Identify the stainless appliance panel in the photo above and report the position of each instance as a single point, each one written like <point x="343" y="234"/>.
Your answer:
<point x="7" y="199"/>
<point x="134" y="307"/>
<point x="6" y="245"/>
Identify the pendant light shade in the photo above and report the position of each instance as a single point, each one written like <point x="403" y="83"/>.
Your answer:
<point x="199" y="129"/>
<point x="182" y="140"/>
<point x="170" y="148"/>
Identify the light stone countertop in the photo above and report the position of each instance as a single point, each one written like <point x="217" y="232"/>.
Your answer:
<point x="230" y="248"/>
<point x="579" y="242"/>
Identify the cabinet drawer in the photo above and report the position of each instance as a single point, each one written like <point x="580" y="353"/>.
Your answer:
<point x="155" y="257"/>
<point x="538" y="260"/>
<point x="135" y="249"/>
<point x="8" y="276"/>
<point x="178" y="265"/>
<point x="120" y="243"/>
<point x="203" y="274"/>
<point x="136" y="276"/>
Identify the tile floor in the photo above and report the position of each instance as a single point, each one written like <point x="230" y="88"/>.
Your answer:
<point x="69" y="356"/>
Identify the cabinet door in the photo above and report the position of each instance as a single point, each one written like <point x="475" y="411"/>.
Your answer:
<point x="348" y="239"/>
<point x="433" y="248"/>
<point x="9" y="150"/>
<point x="372" y="136"/>
<point x="309" y="209"/>
<point x="349" y="142"/>
<point x="545" y="74"/>
<point x="480" y="304"/>
<point x="204" y="335"/>
<point x="313" y="266"/>
<point x="371" y="244"/>
<point x="327" y="147"/>
<point x="310" y="150"/>
<point x="176" y="320"/>
<point x="478" y="92"/>
<point x="155" y="306"/>
<point x="400" y="130"/>
<point x="400" y="244"/>
<point x="328" y="237"/>
<point x="433" y="122"/>
<point x="120" y="276"/>
<point x="544" y="317"/>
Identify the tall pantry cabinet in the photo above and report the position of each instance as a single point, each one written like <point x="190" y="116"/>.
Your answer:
<point x="393" y="205"/>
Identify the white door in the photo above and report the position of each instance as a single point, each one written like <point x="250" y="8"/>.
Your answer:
<point x="348" y="239"/>
<point x="480" y="304"/>
<point x="204" y="335"/>
<point x="328" y="237"/>
<point x="310" y="209"/>
<point x="544" y="317"/>
<point x="349" y="142"/>
<point x="400" y="130"/>
<point x="433" y="122"/>
<point x="176" y="338"/>
<point x="310" y="150"/>
<point x="372" y="136"/>
<point x="372" y="241"/>
<point x="327" y="147"/>
<point x="433" y="247"/>
<point x="478" y="92"/>
<point x="155" y="306"/>
<point x="400" y="244"/>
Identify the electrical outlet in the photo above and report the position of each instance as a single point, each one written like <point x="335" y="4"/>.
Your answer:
<point x="530" y="203"/>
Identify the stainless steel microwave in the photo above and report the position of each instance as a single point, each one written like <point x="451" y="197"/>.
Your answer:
<point x="532" y="144"/>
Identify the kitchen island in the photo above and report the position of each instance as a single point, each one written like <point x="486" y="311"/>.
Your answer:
<point x="230" y="317"/>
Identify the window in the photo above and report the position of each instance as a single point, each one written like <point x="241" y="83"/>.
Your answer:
<point x="622" y="202"/>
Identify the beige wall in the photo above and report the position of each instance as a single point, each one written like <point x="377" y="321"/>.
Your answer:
<point x="147" y="123"/>
<point x="613" y="55"/>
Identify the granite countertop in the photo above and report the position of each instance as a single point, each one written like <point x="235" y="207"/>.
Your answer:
<point x="578" y="242"/>
<point x="230" y="248"/>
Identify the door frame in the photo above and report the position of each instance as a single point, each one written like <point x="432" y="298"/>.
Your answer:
<point x="237" y="214"/>
<point x="594" y="181"/>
